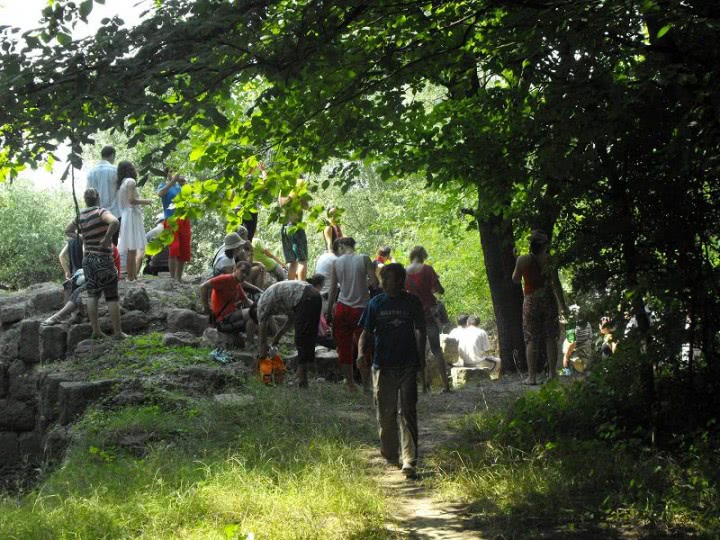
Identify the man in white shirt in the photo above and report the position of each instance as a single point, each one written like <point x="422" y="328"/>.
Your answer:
<point x="474" y="345"/>
<point x="323" y="266"/>
<point x="103" y="178"/>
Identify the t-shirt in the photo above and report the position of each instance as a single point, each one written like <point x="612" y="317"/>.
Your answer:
<point x="225" y="293"/>
<point x="103" y="177"/>
<point x="393" y="321"/>
<point x="422" y="284"/>
<point x="351" y="272"/>
<point x="472" y="345"/>
<point x="167" y="199"/>
<point x="221" y="262"/>
<point x="323" y="266"/>
<point x="281" y="298"/>
<point x="93" y="229"/>
<point x="259" y="255"/>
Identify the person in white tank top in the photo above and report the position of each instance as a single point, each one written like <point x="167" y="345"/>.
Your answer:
<point x="350" y="278"/>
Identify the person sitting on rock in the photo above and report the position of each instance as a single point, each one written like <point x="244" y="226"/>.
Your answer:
<point x="300" y="301"/>
<point x="456" y="332"/>
<point x="228" y="254"/>
<point x="474" y="345"/>
<point x="223" y="298"/>
<point x="97" y="226"/>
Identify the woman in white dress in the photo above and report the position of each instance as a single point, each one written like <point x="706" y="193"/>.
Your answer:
<point x="132" y="227"/>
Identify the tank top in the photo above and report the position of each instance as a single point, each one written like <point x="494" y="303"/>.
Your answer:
<point x="352" y="279"/>
<point x="533" y="279"/>
<point x="93" y="229"/>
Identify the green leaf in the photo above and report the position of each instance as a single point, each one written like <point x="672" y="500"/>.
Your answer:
<point x="63" y="39"/>
<point x="664" y="30"/>
<point x="85" y="8"/>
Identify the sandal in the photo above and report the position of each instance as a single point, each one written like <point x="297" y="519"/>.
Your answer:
<point x="51" y="321"/>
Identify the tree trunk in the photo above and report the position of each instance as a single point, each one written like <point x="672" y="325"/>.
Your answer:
<point x="496" y="237"/>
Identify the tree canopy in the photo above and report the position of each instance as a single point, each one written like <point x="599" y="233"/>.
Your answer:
<point x="596" y="120"/>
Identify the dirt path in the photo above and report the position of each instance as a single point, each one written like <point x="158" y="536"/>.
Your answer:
<point x="419" y="517"/>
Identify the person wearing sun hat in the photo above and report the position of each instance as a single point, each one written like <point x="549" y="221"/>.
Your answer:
<point x="540" y="308"/>
<point x="228" y="254"/>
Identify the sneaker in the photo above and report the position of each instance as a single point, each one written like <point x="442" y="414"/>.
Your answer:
<point x="409" y="471"/>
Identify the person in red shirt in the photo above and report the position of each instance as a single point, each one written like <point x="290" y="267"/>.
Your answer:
<point x="223" y="298"/>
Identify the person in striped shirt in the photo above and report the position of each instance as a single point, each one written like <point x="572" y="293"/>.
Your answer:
<point x="97" y="226"/>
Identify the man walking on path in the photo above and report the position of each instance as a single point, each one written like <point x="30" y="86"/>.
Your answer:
<point x="97" y="225"/>
<point x="353" y="273"/>
<point x="103" y="179"/>
<point x="179" y="253"/>
<point x="396" y="321"/>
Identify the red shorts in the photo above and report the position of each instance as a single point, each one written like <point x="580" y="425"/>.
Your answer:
<point x="347" y="332"/>
<point x="180" y="247"/>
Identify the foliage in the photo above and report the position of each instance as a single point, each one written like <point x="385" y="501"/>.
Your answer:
<point x="280" y="467"/>
<point x="32" y="224"/>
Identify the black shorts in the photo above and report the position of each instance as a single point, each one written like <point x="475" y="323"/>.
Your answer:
<point x="306" y="319"/>
<point x="100" y="276"/>
<point x="295" y="246"/>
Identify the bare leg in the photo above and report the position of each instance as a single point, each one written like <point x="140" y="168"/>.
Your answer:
<point x="92" y="307"/>
<point x="179" y="268"/>
<point x="172" y="265"/>
<point x="302" y="270"/>
<point x="292" y="270"/>
<point x="552" y="354"/>
<point x="347" y="373"/>
<point x="131" y="265"/>
<point x="531" y="362"/>
<point x="114" y="308"/>
<point x="138" y="261"/>
<point x="67" y="309"/>
<point x="441" y="366"/>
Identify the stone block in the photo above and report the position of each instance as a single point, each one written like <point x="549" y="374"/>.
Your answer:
<point x="75" y="397"/>
<point x="9" y="449"/>
<point x="50" y="397"/>
<point x="30" y="447"/>
<point x="53" y="343"/>
<point x="18" y="367"/>
<point x="223" y="340"/>
<point x="9" y="338"/>
<point x="234" y="400"/>
<point x="29" y="343"/>
<point x="136" y="300"/>
<point x="11" y="313"/>
<point x="23" y="387"/>
<point x="54" y="443"/>
<point x="186" y="320"/>
<point x="326" y="363"/>
<point x="92" y="348"/>
<point x="47" y="297"/>
<point x="132" y="321"/>
<point x="180" y="339"/>
<point x="76" y="334"/>
<point x="16" y="415"/>
<point x="464" y="375"/>
<point x="4" y="379"/>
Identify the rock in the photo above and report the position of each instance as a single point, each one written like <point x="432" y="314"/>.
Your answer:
<point x="185" y="320"/>
<point x="223" y="340"/>
<point x="9" y="449"/>
<point x="4" y="379"/>
<point x="16" y="415"/>
<point x="75" y="397"/>
<point x="92" y="348"/>
<point x="12" y="313"/>
<point x="9" y="339"/>
<point x="29" y="343"/>
<point x="46" y="297"/>
<point x="132" y="321"/>
<point x="326" y="363"/>
<point x="53" y="343"/>
<point x="247" y="358"/>
<point x="180" y="339"/>
<point x="30" y="447"/>
<point x="55" y="443"/>
<point x="203" y="379"/>
<point x="235" y="400"/>
<point x="136" y="300"/>
<point x="463" y="375"/>
<point x="50" y="397"/>
<point x="76" y="334"/>
<point x="23" y="387"/>
<point x="136" y="443"/>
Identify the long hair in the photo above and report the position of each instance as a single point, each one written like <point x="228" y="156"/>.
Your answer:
<point x="125" y="170"/>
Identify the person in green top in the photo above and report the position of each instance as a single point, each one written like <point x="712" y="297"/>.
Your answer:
<point x="271" y="263"/>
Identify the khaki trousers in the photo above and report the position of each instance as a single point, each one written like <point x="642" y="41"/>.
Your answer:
<point x="389" y="386"/>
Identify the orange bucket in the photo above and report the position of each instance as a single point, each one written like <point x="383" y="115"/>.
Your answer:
<point x="272" y="370"/>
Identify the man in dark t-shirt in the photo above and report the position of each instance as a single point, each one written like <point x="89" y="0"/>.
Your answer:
<point x="396" y="321"/>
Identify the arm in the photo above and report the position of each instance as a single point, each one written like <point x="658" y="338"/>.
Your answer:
<point x="113" y="225"/>
<point x="71" y="229"/>
<point x="362" y="349"/>
<point x="205" y="291"/>
<point x="133" y="198"/>
<point x="333" y="292"/>
<point x="517" y="273"/>
<point x="327" y="233"/>
<point x="262" y="340"/>
<point x="268" y="253"/>
<point x="281" y="332"/>
<point x="170" y="183"/>
<point x="438" y="286"/>
<point x="250" y="287"/>
<point x="65" y="261"/>
<point x="568" y="354"/>
<point x="372" y="276"/>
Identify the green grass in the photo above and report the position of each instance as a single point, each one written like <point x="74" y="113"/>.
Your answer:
<point x="288" y="465"/>
<point x="571" y="487"/>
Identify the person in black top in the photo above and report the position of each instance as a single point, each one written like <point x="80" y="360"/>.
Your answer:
<point x="396" y="321"/>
